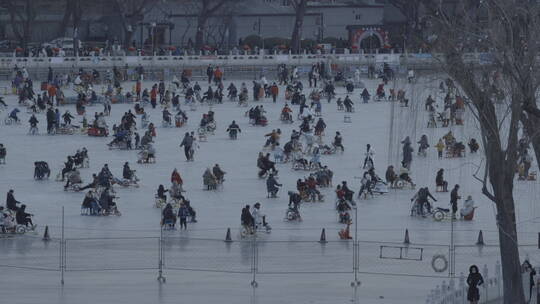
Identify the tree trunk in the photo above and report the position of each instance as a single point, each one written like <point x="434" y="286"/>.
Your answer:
<point x="300" y="12"/>
<point x="201" y="30"/>
<point x="501" y="169"/>
<point x="511" y="266"/>
<point x="128" y="36"/>
<point x="77" y="15"/>
<point x="65" y="19"/>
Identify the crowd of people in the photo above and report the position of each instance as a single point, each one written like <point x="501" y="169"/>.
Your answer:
<point x="304" y="149"/>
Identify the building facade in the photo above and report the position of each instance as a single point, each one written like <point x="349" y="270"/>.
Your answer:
<point x="173" y="22"/>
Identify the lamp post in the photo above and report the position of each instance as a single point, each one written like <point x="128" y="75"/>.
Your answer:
<point x="153" y="27"/>
<point x="355" y="247"/>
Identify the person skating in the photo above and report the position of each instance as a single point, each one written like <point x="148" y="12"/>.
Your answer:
<point x="67" y="117"/>
<point x="13" y="115"/>
<point x="422" y="200"/>
<point x="390" y="176"/>
<point x="407" y="153"/>
<point x="92" y="184"/>
<point x="347" y="193"/>
<point x="187" y="143"/>
<point x="218" y="173"/>
<point x="366" y="185"/>
<point x="274" y="91"/>
<point x="294" y="199"/>
<point x="233" y="130"/>
<point x="440" y="148"/>
<point x="348" y="103"/>
<point x="440" y="182"/>
<point x="272" y="186"/>
<point x="24" y="218"/>
<point x="320" y="127"/>
<point x="259" y="219"/>
<point x="468" y="207"/>
<point x="368" y="160"/>
<point x="127" y="173"/>
<point x="51" y="120"/>
<point x="183" y="213"/>
<point x="454" y="196"/>
<point x="246" y="220"/>
<point x="423" y="145"/>
<point x="168" y="217"/>
<point x="338" y="142"/>
<point x="210" y="73"/>
<point x="11" y="202"/>
<point x="68" y="167"/>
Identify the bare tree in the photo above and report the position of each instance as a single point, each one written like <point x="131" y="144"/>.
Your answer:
<point x="72" y="12"/>
<point x="22" y="15"/>
<point x="207" y="8"/>
<point x="506" y="30"/>
<point x="300" y="8"/>
<point x="411" y="10"/>
<point x="131" y="13"/>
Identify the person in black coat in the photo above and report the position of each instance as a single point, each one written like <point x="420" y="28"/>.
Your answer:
<point x="272" y="186"/>
<point x="454" y="196"/>
<point x="161" y="193"/>
<point x="23" y="218"/>
<point x="168" y="215"/>
<point x="127" y="173"/>
<point x="11" y="202"/>
<point x="51" y="120"/>
<point x="247" y="219"/>
<point x="68" y="167"/>
<point x="294" y="199"/>
<point x="210" y="73"/>
<point x="440" y="182"/>
<point x="474" y="280"/>
<point x="527" y="267"/>
<point x="33" y="121"/>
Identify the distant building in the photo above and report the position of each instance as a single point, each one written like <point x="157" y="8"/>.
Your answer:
<point x="365" y="24"/>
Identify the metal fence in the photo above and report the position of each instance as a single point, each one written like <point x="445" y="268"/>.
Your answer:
<point x="455" y="291"/>
<point x="253" y="257"/>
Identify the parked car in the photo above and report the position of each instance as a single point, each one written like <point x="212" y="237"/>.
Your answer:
<point x="65" y="43"/>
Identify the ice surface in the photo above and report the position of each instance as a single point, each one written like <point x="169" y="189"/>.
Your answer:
<point x="320" y="273"/>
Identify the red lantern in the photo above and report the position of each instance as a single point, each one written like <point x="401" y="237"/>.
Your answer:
<point x="354" y="47"/>
<point x="18" y="49"/>
<point x="131" y="49"/>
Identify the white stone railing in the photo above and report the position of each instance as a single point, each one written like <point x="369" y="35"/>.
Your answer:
<point x="448" y="293"/>
<point x="408" y="59"/>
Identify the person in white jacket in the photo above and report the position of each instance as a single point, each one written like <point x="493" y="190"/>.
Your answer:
<point x="368" y="160"/>
<point x="468" y="206"/>
<point x="258" y="217"/>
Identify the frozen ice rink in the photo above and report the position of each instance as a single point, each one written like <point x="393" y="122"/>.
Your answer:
<point x="115" y="259"/>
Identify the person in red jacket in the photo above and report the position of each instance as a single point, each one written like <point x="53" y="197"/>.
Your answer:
<point x="274" y="90"/>
<point x="153" y="96"/>
<point x="175" y="177"/>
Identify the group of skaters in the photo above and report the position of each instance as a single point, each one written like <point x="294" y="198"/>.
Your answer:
<point x="178" y="207"/>
<point x="303" y="150"/>
<point x="14" y="214"/>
